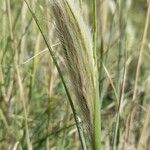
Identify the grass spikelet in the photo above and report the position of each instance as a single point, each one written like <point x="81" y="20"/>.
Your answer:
<point x="77" y="47"/>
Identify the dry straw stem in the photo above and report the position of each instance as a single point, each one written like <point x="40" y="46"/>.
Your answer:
<point x="143" y="141"/>
<point x="9" y="18"/>
<point x="76" y="41"/>
<point x="132" y="114"/>
<point x="103" y="10"/>
<point x="22" y="97"/>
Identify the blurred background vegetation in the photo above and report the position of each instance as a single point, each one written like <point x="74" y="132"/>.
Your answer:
<point x="34" y="111"/>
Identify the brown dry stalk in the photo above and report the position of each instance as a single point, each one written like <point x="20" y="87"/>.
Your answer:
<point x="131" y="116"/>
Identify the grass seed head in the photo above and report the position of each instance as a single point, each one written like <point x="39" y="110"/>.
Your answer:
<point x="76" y="41"/>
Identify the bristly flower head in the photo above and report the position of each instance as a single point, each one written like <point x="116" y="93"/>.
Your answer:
<point x="76" y="40"/>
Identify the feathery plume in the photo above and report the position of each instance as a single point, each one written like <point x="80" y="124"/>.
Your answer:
<point x="76" y="40"/>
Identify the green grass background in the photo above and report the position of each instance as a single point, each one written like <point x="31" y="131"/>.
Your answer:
<point x="34" y="111"/>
